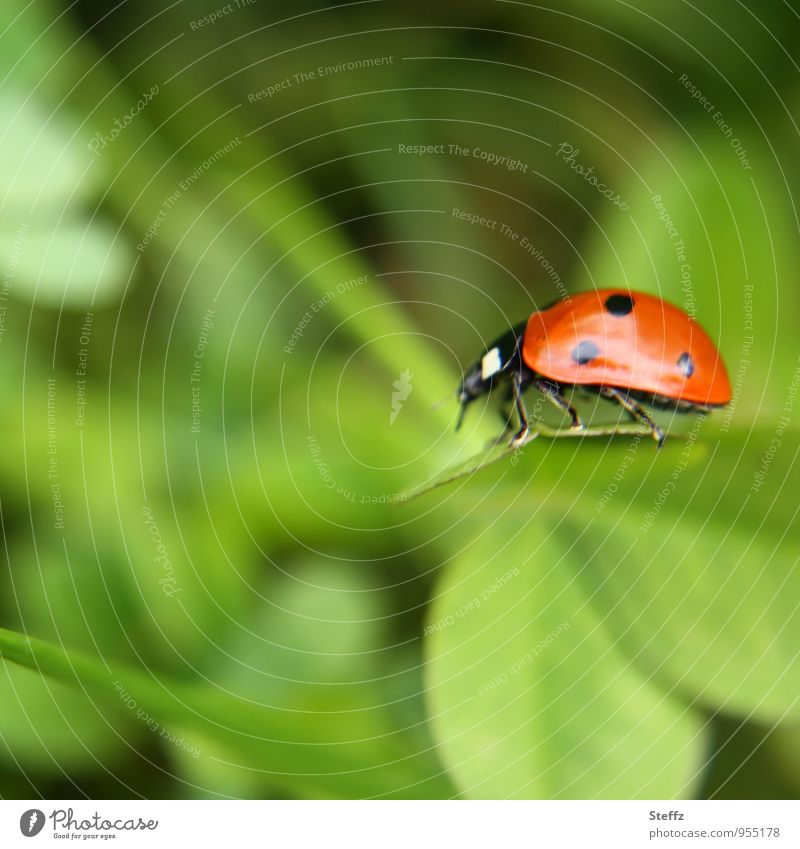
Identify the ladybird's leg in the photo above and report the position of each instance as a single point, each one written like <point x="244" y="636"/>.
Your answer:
<point x="636" y="411"/>
<point x="516" y="387"/>
<point x="553" y="393"/>
<point x="507" y="408"/>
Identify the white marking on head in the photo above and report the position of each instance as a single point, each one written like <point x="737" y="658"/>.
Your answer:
<point x="491" y="363"/>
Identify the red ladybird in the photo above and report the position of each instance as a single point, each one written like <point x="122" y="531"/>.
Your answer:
<point x="626" y="346"/>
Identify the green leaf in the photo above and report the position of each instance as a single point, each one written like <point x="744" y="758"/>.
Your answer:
<point x="529" y="696"/>
<point x="686" y="554"/>
<point x="697" y="572"/>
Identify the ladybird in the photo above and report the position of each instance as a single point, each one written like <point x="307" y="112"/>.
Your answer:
<point x="629" y="347"/>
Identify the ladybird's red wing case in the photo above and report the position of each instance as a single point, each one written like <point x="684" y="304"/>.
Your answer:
<point x="630" y="340"/>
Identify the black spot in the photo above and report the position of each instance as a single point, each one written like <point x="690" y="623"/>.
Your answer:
<point x="584" y="352"/>
<point x="619" y="305"/>
<point x="686" y="364"/>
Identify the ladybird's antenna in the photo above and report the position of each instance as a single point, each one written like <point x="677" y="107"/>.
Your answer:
<point x="461" y="410"/>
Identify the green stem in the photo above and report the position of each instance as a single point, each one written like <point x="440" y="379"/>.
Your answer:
<point x="75" y="669"/>
<point x="540" y="429"/>
<point x="319" y="753"/>
<point x="504" y="449"/>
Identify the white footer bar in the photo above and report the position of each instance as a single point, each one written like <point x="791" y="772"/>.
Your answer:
<point x="386" y="825"/>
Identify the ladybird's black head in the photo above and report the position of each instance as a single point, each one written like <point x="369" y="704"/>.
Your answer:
<point x="472" y="386"/>
<point x="499" y="358"/>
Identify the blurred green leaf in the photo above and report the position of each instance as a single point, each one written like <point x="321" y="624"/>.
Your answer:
<point x="77" y="265"/>
<point x="51" y="252"/>
<point x="58" y="591"/>
<point x="529" y="696"/>
<point x="320" y="625"/>
<point x="45" y="166"/>
<point x="47" y="727"/>
<point x="317" y="648"/>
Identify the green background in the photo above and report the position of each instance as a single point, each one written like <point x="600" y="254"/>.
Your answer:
<point x="224" y="601"/>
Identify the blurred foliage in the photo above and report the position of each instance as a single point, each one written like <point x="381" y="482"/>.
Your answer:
<point x="203" y="320"/>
